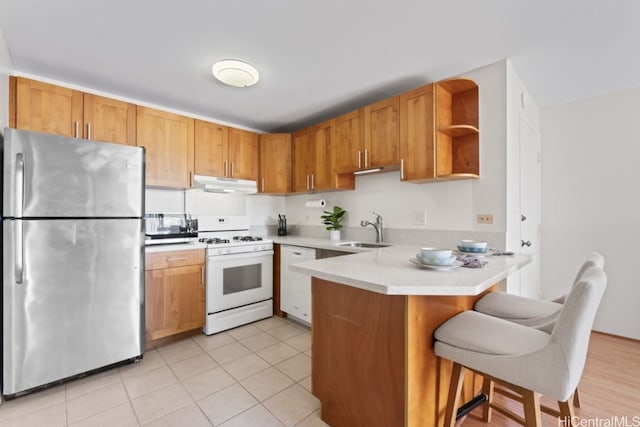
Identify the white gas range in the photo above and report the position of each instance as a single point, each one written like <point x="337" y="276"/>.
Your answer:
<point x="239" y="273"/>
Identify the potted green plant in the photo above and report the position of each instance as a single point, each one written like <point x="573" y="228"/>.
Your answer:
<point x="333" y="219"/>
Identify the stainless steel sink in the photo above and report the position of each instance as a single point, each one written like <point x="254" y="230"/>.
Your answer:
<point x="364" y="244"/>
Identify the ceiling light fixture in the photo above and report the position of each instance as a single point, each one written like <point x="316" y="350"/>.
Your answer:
<point x="235" y="73"/>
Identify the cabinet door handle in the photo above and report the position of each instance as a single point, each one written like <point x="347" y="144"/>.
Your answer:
<point x="263" y="185"/>
<point x="401" y="169"/>
<point x="178" y="258"/>
<point x="202" y="274"/>
<point x="313" y="182"/>
<point x="88" y="130"/>
<point x="307" y="181"/>
<point x="76" y="126"/>
<point x="225" y="168"/>
<point x="366" y="158"/>
<point x="231" y="169"/>
<point x="359" y="159"/>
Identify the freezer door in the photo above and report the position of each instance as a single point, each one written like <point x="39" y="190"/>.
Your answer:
<point x="73" y="298"/>
<point x="57" y="177"/>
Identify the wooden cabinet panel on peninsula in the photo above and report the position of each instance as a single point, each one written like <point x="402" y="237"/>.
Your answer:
<point x="48" y="108"/>
<point x="174" y="293"/>
<point x="224" y="151"/>
<point x="168" y="139"/>
<point x="275" y="163"/>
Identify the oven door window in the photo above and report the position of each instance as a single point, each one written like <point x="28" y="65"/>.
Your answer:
<point x="241" y="278"/>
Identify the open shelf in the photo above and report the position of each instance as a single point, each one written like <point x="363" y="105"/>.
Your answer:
<point x="459" y="130"/>
<point x="458" y="133"/>
<point x="456" y="176"/>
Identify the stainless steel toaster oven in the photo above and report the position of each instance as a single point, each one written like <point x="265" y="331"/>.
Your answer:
<point x="162" y="228"/>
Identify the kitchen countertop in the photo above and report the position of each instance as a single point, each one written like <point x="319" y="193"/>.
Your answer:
<point x="388" y="271"/>
<point x="317" y="243"/>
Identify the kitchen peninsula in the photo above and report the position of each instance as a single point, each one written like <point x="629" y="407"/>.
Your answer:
<point x="373" y="317"/>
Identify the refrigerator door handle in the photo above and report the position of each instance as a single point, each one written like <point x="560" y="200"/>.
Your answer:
<point x="19" y="184"/>
<point x="19" y="249"/>
<point x="19" y="253"/>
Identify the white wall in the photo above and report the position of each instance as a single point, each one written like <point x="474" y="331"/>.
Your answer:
<point x="6" y="67"/>
<point x="591" y="202"/>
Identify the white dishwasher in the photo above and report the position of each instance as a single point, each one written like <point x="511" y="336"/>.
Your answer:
<point x="295" y="288"/>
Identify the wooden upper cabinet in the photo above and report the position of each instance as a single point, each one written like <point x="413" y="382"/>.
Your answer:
<point x="224" y="151"/>
<point x="44" y="107"/>
<point x="109" y="120"/>
<point x="303" y="158"/>
<point x="417" y="134"/>
<point x="275" y="163"/>
<point x="243" y="154"/>
<point x="211" y="148"/>
<point x="349" y="142"/>
<point x="169" y="142"/>
<point x="322" y="142"/>
<point x="381" y="134"/>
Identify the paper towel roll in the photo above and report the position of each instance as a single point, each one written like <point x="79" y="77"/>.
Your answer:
<point x="315" y="203"/>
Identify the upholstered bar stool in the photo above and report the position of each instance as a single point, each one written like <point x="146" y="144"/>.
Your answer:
<point x="528" y="311"/>
<point x="532" y="312"/>
<point x="525" y="360"/>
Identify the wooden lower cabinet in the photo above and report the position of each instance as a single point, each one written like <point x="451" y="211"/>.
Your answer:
<point x="174" y="295"/>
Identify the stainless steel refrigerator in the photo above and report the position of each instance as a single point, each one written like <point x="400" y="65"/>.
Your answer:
<point x="72" y="257"/>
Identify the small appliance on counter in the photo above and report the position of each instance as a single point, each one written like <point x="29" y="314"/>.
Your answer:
<point x="282" y="225"/>
<point x="164" y="228"/>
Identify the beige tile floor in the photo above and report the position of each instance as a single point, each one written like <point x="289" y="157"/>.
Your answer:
<point x="254" y="375"/>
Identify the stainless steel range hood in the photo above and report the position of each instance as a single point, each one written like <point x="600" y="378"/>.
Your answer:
<point x="214" y="184"/>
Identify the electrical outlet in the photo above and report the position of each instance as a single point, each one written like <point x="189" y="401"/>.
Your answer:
<point x="484" y="219"/>
<point x="419" y="217"/>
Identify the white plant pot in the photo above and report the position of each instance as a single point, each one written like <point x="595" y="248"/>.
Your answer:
<point x="335" y="234"/>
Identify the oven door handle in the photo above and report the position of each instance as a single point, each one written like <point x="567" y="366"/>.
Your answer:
<point x="230" y="257"/>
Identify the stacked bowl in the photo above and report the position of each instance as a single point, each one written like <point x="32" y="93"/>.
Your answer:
<point x="435" y="256"/>
<point x="472" y="247"/>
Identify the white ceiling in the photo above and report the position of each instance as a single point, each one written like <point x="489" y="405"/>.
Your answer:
<point x="319" y="58"/>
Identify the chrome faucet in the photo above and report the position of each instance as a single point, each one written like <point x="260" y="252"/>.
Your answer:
<point x="377" y="226"/>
